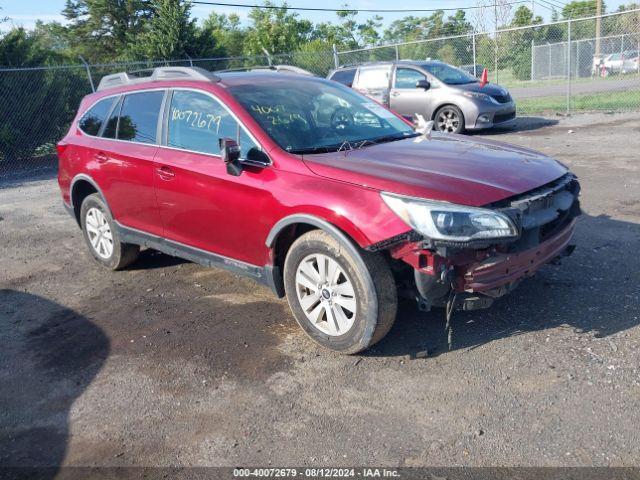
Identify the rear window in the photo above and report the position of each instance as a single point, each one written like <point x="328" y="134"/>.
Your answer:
<point x="344" y="76"/>
<point x="139" y="114"/>
<point x="92" y="120"/>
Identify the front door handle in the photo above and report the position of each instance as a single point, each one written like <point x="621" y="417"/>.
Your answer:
<point x="395" y="94"/>
<point x="165" y="173"/>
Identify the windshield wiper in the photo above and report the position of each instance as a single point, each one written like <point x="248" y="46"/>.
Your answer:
<point x="352" y="145"/>
<point x="390" y="138"/>
<point x="336" y="147"/>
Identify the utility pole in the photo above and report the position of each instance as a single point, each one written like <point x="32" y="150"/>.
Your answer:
<point x="598" y="26"/>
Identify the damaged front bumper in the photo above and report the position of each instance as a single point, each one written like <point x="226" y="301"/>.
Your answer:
<point x="469" y="277"/>
<point x="498" y="272"/>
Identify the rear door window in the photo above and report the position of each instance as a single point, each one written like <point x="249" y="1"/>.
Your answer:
<point x="139" y="114"/>
<point x="344" y="76"/>
<point x="197" y="122"/>
<point x="92" y="120"/>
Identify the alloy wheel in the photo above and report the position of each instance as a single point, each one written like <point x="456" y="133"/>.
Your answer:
<point x="448" y="120"/>
<point x="326" y="294"/>
<point x="99" y="233"/>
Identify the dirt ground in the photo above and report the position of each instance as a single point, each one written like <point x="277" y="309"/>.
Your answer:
<point x="171" y="364"/>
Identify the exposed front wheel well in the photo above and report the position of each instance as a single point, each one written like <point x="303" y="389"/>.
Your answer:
<point x="81" y="189"/>
<point x="283" y="242"/>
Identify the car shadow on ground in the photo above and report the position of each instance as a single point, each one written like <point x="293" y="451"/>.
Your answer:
<point x="519" y="124"/>
<point x="593" y="291"/>
<point x="150" y="259"/>
<point x="49" y="355"/>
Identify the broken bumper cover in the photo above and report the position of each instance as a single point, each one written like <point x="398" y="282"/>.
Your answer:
<point x="495" y="275"/>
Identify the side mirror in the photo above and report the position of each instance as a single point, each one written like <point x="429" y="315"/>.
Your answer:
<point x="424" y="84"/>
<point x="230" y="153"/>
<point x="257" y="156"/>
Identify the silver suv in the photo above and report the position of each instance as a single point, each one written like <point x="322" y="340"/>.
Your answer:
<point x="452" y="98"/>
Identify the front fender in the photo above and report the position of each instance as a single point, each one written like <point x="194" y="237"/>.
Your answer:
<point x="339" y="228"/>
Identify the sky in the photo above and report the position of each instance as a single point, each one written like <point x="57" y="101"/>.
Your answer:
<point x="26" y="12"/>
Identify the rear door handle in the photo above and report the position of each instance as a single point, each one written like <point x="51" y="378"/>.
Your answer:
<point x="165" y="173"/>
<point x="101" y="157"/>
<point x="395" y="94"/>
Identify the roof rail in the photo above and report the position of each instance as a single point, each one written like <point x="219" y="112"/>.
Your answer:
<point x="274" y="68"/>
<point x="158" y="73"/>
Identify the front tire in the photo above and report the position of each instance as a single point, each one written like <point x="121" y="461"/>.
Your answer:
<point x="101" y="235"/>
<point x="344" y="299"/>
<point x="449" y="119"/>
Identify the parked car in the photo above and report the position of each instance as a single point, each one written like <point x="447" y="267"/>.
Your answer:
<point x="631" y="62"/>
<point x="313" y="189"/>
<point x="453" y="99"/>
<point x="613" y="63"/>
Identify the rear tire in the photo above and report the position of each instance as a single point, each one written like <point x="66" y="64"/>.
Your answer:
<point x="449" y="119"/>
<point x="101" y="235"/>
<point x="343" y="299"/>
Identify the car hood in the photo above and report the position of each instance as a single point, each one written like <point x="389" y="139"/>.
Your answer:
<point x="445" y="167"/>
<point x="489" y="88"/>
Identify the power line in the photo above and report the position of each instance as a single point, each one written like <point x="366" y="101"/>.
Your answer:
<point x="349" y="10"/>
<point x="555" y="4"/>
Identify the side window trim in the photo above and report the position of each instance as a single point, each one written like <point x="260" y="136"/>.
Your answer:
<point x="161" y="116"/>
<point x="165" y="126"/>
<point x="116" y="105"/>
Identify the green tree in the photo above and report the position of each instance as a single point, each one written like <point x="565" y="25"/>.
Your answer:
<point x="515" y="46"/>
<point x="37" y="104"/>
<point x="436" y="25"/>
<point x="170" y="33"/>
<point x="581" y="8"/>
<point x="276" y="30"/>
<point x="103" y="30"/>
<point x="225" y="33"/>
<point x="315" y="56"/>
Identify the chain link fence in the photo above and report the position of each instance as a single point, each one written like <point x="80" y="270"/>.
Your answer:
<point x="558" y="67"/>
<point x="570" y="66"/>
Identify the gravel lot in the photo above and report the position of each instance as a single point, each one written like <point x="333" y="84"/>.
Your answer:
<point x="170" y="363"/>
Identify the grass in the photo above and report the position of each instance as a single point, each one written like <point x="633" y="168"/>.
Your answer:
<point x="506" y="78"/>
<point x="608" y="101"/>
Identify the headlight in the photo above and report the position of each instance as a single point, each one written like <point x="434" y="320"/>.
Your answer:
<point x="450" y="222"/>
<point x="479" y="96"/>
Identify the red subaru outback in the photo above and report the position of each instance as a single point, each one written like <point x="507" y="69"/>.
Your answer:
<point x="312" y="189"/>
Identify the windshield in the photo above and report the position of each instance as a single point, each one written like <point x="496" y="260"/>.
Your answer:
<point x="448" y="74"/>
<point x="317" y="116"/>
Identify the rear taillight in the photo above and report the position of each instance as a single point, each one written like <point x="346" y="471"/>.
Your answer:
<point x="61" y="147"/>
